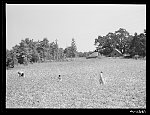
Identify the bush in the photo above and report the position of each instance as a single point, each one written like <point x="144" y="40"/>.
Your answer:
<point x="9" y="63"/>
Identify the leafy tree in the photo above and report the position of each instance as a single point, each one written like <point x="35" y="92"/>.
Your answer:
<point x="34" y="51"/>
<point x="71" y="51"/>
<point x="122" y="37"/>
<point x="9" y="59"/>
<point x="120" y="40"/>
<point x="104" y="44"/>
<point x="60" y="53"/>
<point x="56" y="51"/>
<point x="81" y="54"/>
<point x="138" y="45"/>
<point x="68" y="51"/>
<point x="24" y="51"/>
<point x="42" y="48"/>
<point x="52" y="50"/>
<point x="143" y="42"/>
<point x="73" y="48"/>
<point x="100" y="41"/>
<point x="128" y="45"/>
<point x="45" y="47"/>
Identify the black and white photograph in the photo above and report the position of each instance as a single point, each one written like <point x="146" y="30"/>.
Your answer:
<point x="76" y="56"/>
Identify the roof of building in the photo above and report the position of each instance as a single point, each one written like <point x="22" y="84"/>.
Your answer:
<point x="93" y="54"/>
<point x="118" y="50"/>
<point x="126" y="55"/>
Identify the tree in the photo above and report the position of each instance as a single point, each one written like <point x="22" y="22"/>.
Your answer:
<point x="51" y="50"/>
<point x="128" y="45"/>
<point x="16" y="52"/>
<point x="34" y="56"/>
<point x="82" y="54"/>
<point x="56" y="50"/>
<point x="71" y="51"/>
<point x="42" y="48"/>
<point x="73" y="48"/>
<point x="138" y="45"/>
<point x="104" y="44"/>
<point x="122" y="37"/>
<point x="24" y="51"/>
<point x="60" y="53"/>
<point x="100" y="41"/>
<point x="30" y="47"/>
<point x="33" y="51"/>
<point x="9" y="59"/>
<point x="68" y="51"/>
<point x="143" y="41"/>
<point x="120" y="40"/>
<point x="45" y="46"/>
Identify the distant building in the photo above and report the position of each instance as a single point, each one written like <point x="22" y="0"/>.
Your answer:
<point x="115" y="53"/>
<point x="93" y="55"/>
<point x="127" y="56"/>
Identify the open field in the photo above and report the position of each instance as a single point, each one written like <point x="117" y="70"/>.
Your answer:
<point x="124" y="84"/>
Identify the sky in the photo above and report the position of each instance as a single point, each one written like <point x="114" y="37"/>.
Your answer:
<point x="83" y="22"/>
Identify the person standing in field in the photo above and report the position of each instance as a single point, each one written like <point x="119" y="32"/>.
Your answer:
<point x="101" y="78"/>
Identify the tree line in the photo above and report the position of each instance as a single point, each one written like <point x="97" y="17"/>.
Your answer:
<point x="29" y="51"/>
<point x="123" y="41"/>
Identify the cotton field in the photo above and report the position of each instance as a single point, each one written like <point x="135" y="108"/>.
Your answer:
<point x="75" y="84"/>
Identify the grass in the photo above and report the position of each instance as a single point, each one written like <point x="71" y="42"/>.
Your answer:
<point x="124" y="84"/>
